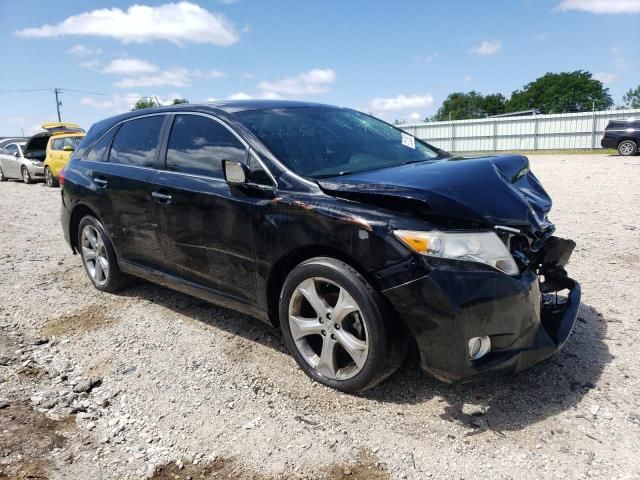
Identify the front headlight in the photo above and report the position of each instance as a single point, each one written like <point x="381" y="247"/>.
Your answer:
<point x="482" y="247"/>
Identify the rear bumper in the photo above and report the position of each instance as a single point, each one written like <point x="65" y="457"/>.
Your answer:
<point x="448" y="307"/>
<point x="65" y="219"/>
<point x="609" y="143"/>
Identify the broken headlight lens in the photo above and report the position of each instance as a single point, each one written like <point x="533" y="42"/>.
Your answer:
<point x="482" y="247"/>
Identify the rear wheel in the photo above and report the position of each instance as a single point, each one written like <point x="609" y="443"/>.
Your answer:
<point x="98" y="256"/>
<point x="333" y="324"/>
<point x="627" y="148"/>
<point x="26" y="177"/>
<point x="49" y="179"/>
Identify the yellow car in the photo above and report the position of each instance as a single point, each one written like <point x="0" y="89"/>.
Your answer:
<point x="63" y="140"/>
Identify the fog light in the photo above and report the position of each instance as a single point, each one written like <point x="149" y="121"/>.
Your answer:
<point x="479" y="347"/>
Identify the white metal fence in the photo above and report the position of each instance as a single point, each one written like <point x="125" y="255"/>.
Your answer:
<point x="536" y="132"/>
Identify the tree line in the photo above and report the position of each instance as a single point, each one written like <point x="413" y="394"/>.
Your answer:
<point x="150" y="102"/>
<point x="565" y="92"/>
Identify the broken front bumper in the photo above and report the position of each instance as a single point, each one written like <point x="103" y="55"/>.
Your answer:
<point x="452" y="304"/>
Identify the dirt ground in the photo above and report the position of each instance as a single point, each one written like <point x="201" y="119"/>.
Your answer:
<point x="151" y="383"/>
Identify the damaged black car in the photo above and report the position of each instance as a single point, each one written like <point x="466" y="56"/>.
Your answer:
<point x="355" y="238"/>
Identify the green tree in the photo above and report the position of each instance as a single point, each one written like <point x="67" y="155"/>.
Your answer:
<point x="178" y="101"/>
<point x="461" y="106"/>
<point x="494" y="104"/>
<point x="561" y="92"/>
<point x="631" y="99"/>
<point x="144" y="103"/>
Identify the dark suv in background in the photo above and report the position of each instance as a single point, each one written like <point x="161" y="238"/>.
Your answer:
<point x="623" y="135"/>
<point x="352" y="236"/>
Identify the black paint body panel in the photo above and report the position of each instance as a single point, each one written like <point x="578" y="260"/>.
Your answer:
<point x="233" y="245"/>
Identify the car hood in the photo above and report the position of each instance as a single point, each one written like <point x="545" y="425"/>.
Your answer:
<point x="499" y="190"/>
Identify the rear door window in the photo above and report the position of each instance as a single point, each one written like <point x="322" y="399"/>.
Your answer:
<point x="98" y="152"/>
<point x="57" y="144"/>
<point x="198" y="145"/>
<point x="136" y="142"/>
<point x="10" y="149"/>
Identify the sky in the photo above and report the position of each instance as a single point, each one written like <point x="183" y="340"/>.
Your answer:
<point x="397" y="60"/>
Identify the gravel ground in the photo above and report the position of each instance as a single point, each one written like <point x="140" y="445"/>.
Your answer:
<point x="154" y="383"/>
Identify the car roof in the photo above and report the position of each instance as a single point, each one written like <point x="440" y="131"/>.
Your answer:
<point x="233" y="106"/>
<point x="229" y="107"/>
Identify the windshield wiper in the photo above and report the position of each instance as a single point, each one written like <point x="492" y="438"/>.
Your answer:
<point x="339" y="174"/>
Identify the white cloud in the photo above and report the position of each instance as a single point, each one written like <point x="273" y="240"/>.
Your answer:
<point x="248" y="76"/>
<point x="400" y="102"/>
<point x="179" y="77"/>
<point x="216" y="74"/>
<point x="600" y="6"/>
<point x="240" y="96"/>
<point x="92" y="64"/>
<point x="618" y="58"/>
<point x="313" y="82"/>
<point x="541" y="36"/>
<point x="115" y="101"/>
<point x="174" y="22"/>
<point x="129" y="66"/>
<point x="431" y="57"/>
<point x="467" y="78"/>
<point x="487" y="47"/>
<point x="19" y="120"/>
<point x="606" y="77"/>
<point x="82" y="51"/>
<point x="415" y="116"/>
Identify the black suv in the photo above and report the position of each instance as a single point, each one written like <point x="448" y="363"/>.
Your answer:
<point x="352" y="236"/>
<point x="623" y="135"/>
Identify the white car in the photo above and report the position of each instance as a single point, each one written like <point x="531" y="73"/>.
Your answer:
<point x="16" y="163"/>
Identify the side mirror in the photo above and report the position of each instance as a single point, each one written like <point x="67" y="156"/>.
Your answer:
<point x="68" y="148"/>
<point x="235" y="173"/>
<point x="16" y="154"/>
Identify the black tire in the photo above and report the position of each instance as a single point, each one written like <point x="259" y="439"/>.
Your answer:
<point x="26" y="177"/>
<point x="2" y="177"/>
<point x="386" y="342"/>
<point x="627" y="148"/>
<point x="115" y="279"/>
<point x="49" y="179"/>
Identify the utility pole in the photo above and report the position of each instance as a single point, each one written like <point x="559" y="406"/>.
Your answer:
<point x="58" y="102"/>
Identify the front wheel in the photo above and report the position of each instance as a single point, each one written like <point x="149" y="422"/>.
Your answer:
<point x="2" y="177"/>
<point x="332" y="322"/>
<point x="627" y="148"/>
<point x="98" y="256"/>
<point x="49" y="179"/>
<point x="26" y="177"/>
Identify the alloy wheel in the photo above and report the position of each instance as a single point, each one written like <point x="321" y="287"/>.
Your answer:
<point x="48" y="176"/>
<point x="26" y="178"/>
<point x="94" y="255"/>
<point x="328" y="328"/>
<point x="626" y="148"/>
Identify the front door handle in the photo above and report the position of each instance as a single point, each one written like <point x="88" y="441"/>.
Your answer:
<point x="159" y="197"/>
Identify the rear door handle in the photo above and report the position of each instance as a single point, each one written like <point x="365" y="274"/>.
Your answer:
<point x="160" y="197"/>
<point x="100" y="182"/>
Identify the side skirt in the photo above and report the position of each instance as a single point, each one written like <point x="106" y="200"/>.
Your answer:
<point x="194" y="289"/>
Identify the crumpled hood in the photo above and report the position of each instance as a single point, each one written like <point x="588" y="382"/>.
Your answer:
<point x="498" y="190"/>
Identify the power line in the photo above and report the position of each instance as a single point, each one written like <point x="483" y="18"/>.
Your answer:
<point x="27" y="90"/>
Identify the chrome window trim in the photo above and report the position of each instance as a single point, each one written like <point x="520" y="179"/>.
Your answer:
<point x="202" y="114"/>
<point x="120" y="165"/>
<point x="84" y="155"/>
